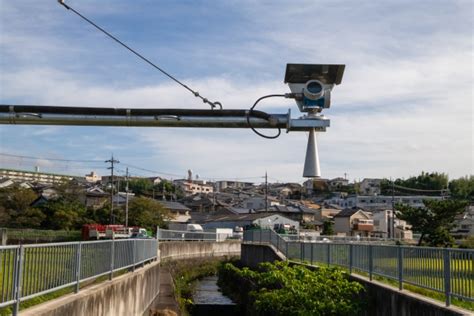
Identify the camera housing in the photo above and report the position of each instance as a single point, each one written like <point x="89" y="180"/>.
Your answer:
<point x="312" y="84"/>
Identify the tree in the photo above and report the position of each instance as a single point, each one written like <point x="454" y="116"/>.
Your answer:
<point x="425" y="181"/>
<point x="434" y="221"/>
<point x="16" y="210"/>
<point x="462" y="188"/>
<point x="63" y="214"/>
<point x="140" y="186"/>
<point x="328" y="228"/>
<point x="147" y="213"/>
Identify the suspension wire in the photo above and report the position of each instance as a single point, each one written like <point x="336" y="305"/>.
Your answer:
<point x="49" y="159"/>
<point x="195" y="93"/>
<point x="249" y="113"/>
<point x="417" y="190"/>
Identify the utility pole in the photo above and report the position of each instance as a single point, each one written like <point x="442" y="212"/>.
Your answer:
<point x="126" y="198"/>
<point x="112" y="161"/>
<point x="266" y="192"/>
<point x="393" y="208"/>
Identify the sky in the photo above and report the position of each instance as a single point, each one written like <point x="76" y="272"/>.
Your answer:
<point x="405" y="104"/>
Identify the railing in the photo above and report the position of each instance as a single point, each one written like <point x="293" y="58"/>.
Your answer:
<point x="27" y="271"/>
<point x="178" y="235"/>
<point x="309" y="237"/>
<point x="444" y="270"/>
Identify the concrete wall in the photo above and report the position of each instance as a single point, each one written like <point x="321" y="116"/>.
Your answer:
<point x="252" y="255"/>
<point x="128" y="294"/>
<point x="133" y="292"/>
<point x="182" y="250"/>
<point x="382" y="299"/>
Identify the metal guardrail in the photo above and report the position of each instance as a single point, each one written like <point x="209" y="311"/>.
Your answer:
<point x="178" y="235"/>
<point x="444" y="270"/>
<point x="27" y="271"/>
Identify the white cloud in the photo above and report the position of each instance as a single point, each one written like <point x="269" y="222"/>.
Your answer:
<point x="405" y="103"/>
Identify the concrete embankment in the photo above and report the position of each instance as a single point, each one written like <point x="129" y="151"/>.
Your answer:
<point x="134" y="292"/>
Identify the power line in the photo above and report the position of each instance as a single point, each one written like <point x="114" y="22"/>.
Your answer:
<point x="195" y="93"/>
<point x="49" y="159"/>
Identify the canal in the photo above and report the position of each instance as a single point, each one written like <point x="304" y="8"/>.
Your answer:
<point x="209" y="300"/>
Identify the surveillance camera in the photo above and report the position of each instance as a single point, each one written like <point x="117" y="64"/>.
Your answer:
<point x="312" y="84"/>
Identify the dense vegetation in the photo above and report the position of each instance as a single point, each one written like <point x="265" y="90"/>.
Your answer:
<point x="431" y="184"/>
<point x="20" y="208"/>
<point x="434" y="221"/>
<point x="281" y="289"/>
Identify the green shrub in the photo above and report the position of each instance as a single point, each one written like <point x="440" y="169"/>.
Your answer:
<point x="280" y="289"/>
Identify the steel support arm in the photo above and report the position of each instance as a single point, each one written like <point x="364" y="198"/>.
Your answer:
<point x="89" y="116"/>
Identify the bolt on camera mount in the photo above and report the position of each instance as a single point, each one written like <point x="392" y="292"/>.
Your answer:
<point x="310" y="86"/>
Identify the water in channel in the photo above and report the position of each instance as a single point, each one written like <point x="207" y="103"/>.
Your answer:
<point x="208" y="300"/>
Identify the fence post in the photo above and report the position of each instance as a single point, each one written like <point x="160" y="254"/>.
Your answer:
<point x="78" y="266"/>
<point x="278" y="241"/>
<point x="312" y="252"/>
<point x="351" y="253"/>
<point x="329" y="254"/>
<point x="301" y="252"/>
<point x="370" y="262"/>
<point x="112" y="257"/>
<point x="134" y="254"/>
<point x="18" y="277"/>
<point x="400" y="267"/>
<point x="260" y="235"/>
<point x="447" y="276"/>
<point x="286" y="252"/>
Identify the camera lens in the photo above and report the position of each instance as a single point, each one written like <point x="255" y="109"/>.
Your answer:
<point x="314" y="87"/>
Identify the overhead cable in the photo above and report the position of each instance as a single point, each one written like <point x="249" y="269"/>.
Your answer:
<point x="195" y="93"/>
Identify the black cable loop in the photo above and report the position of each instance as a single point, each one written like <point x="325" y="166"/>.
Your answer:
<point x="249" y="113"/>
<point x="195" y="93"/>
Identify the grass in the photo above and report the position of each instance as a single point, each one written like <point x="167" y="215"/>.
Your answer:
<point x="53" y="295"/>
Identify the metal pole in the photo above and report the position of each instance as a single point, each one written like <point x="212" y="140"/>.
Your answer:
<point x="266" y="192"/>
<point x="312" y="251"/>
<point x="112" y="258"/>
<point x="351" y="252"/>
<point x="447" y="276"/>
<point x="329" y="254"/>
<point x="393" y="209"/>
<point x="400" y="268"/>
<point x="370" y="262"/>
<point x="126" y="199"/>
<point x="301" y="252"/>
<point x="112" y="161"/>
<point x="18" y="279"/>
<point x="78" y="266"/>
<point x="134" y="254"/>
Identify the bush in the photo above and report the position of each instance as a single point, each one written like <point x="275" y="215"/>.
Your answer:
<point x="281" y="289"/>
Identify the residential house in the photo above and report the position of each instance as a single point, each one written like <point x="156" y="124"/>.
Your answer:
<point x="370" y="186"/>
<point x="264" y="220"/>
<point x="179" y="213"/>
<point x="383" y="226"/>
<point x="191" y="187"/>
<point x="353" y="222"/>
<point x="336" y="183"/>
<point x="224" y="184"/>
<point x="93" y="177"/>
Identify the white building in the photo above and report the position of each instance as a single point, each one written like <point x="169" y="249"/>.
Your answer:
<point x="383" y="226"/>
<point x="379" y="202"/>
<point x="194" y="187"/>
<point x="224" y="184"/>
<point x="370" y="186"/>
<point x="32" y="176"/>
<point x="93" y="177"/>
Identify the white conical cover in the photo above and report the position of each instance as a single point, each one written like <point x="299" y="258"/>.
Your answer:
<point x="311" y="163"/>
